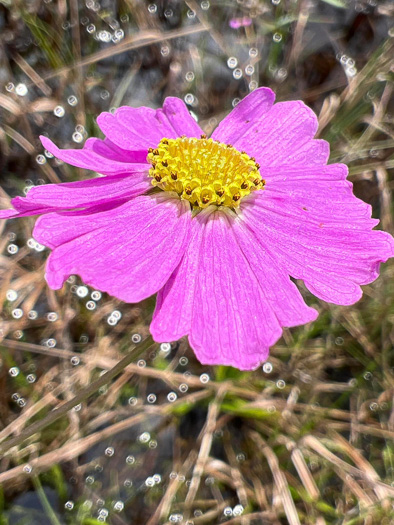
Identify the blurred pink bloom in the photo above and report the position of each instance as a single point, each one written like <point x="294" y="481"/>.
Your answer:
<point x="236" y="23"/>
<point x="222" y="273"/>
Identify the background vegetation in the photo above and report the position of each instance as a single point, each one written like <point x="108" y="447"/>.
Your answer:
<point x="305" y="439"/>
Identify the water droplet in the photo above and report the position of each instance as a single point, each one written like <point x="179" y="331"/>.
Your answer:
<point x="228" y="511"/>
<point x="77" y="137"/>
<point x="367" y="376"/>
<point x="277" y="37"/>
<point x="40" y="159"/>
<point x="59" y="111"/>
<point x="21" y="402"/>
<point x="17" y="313"/>
<point x="183" y="388"/>
<point x="168" y="13"/>
<point x="104" y="36"/>
<point x="152" y="8"/>
<point x="249" y="69"/>
<point x="31" y="378"/>
<point x="82" y="291"/>
<point x="183" y="361"/>
<point x="149" y="482"/>
<point x="253" y="52"/>
<point x="132" y="401"/>
<point x="189" y="76"/>
<point x="238" y="509"/>
<point x="136" y="338"/>
<point x="118" y="506"/>
<point x="12" y="249"/>
<point x="157" y="478"/>
<point x="189" y="98"/>
<point x="130" y="460"/>
<point x="91" y="28"/>
<point x="191" y="13"/>
<point x="172" y="397"/>
<point x="151" y="398"/>
<point x="205" y="5"/>
<point x="51" y="343"/>
<point x="204" y="378"/>
<point x="69" y="505"/>
<point x="373" y="407"/>
<point x="72" y="100"/>
<point x="21" y="90"/>
<point x="232" y="62"/>
<point x="275" y="2"/>
<point x="128" y="483"/>
<point x="165" y="51"/>
<point x="109" y="451"/>
<point x="15" y="396"/>
<point x="91" y="305"/>
<point x="267" y="367"/>
<point x="280" y="384"/>
<point x="144" y="437"/>
<point x="11" y="295"/>
<point x="89" y="480"/>
<point x="237" y="73"/>
<point x="10" y="87"/>
<point x="27" y="468"/>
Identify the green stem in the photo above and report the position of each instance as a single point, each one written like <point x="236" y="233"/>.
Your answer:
<point x="45" y="502"/>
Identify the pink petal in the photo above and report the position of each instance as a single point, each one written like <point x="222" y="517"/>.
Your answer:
<point x="179" y="118"/>
<point x="129" y="252"/>
<point x="257" y="267"/>
<point x="108" y="149"/>
<point x="173" y="312"/>
<point x="248" y="113"/>
<point x="276" y="139"/>
<point x="89" y="159"/>
<point x="232" y="324"/>
<point x="100" y="191"/>
<point x="321" y="233"/>
<point x="141" y="128"/>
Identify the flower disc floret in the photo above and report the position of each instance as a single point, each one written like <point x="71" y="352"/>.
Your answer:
<point x="204" y="171"/>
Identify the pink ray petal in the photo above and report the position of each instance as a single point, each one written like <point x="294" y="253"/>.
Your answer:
<point x="232" y="322"/>
<point x="90" y="160"/>
<point x="321" y="233"/>
<point x="251" y="110"/>
<point x="127" y="252"/>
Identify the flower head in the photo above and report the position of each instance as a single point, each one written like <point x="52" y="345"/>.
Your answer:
<point x="216" y="226"/>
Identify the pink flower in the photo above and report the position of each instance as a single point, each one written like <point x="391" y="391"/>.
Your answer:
<point x="236" y="23"/>
<point x="216" y="230"/>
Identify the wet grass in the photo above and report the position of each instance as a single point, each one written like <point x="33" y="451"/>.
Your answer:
<point x="307" y="438"/>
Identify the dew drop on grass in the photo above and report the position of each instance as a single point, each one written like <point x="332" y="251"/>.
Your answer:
<point x="14" y="371"/>
<point x="204" y="378"/>
<point x="69" y="505"/>
<point x="267" y="367"/>
<point x="144" y="437"/>
<point x="40" y="159"/>
<point x="130" y="460"/>
<point x="118" y="506"/>
<point x="91" y="305"/>
<point x="21" y="90"/>
<point x="172" y="397"/>
<point x="277" y="37"/>
<point x="205" y="5"/>
<point x="232" y="62"/>
<point x="183" y="388"/>
<point x="183" y="361"/>
<point x="253" y="52"/>
<point x="72" y="100"/>
<point x="280" y="384"/>
<point x="27" y="469"/>
<point x="151" y="398"/>
<point x="82" y="291"/>
<point x="136" y="338"/>
<point x="59" y="111"/>
<point x="12" y="249"/>
<point x="10" y="87"/>
<point x="228" y="511"/>
<point x="31" y="378"/>
<point x="109" y="451"/>
<point x="132" y="401"/>
<point x="11" y="295"/>
<point x="189" y="76"/>
<point x="95" y="295"/>
<point x="141" y="363"/>
<point x="77" y="137"/>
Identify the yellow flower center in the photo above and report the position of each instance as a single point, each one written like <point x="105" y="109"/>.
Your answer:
<point x="204" y="171"/>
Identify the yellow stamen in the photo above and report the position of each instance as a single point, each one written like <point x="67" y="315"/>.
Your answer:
<point x="204" y="171"/>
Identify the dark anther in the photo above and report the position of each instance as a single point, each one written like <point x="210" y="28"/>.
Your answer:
<point x="244" y="186"/>
<point x="164" y="141"/>
<point x="236" y="197"/>
<point x="257" y="165"/>
<point x="205" y="199"/>
<point x="243" y="152"/>
<point x="158" y="177"/>
<point x="150" y="150"/>
<point x="155" y="152"/>
<point x="174" y="176"/>
<point x="183" y="136"/>
<point x="228" y="146"/>
<point x="256" y="182"/>
<point x="220" y="193"/>
<point x="188" y="191"/>
<point x="164" y="163"/>
<point x="252" y="158"/>
<point x="153" y="164"/>
<point x="203" y="136"/>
